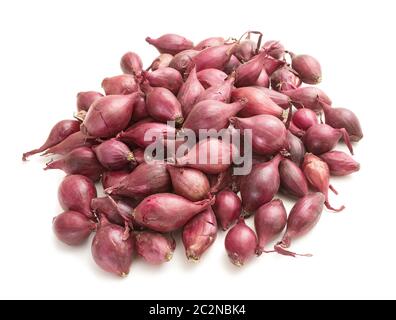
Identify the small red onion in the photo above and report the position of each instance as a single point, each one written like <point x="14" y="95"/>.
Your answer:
<point x="162" y="61"/>
<point x="227" y="208"/>
<point x="240" y="243"/>
<point x="123" y="84"/>
<point x="271" y="65"/>
<point x="109" y="115"/>
<point x="220" y="93"/>
<point x="86" y="98"/>
<point x="269" y="221"/>
<point x="117" y="211"/>
<point x="260" y="185"/>
<point x="296" y="148"/>
<point x="340" y="163"/>
<point x="246" y="50"/>
<point x="209" y="42"/>
<point x="304" y="118"/>
<point x="231" y="65"/>
<point x="199" y="234"/>
<point x="214" y="57"/>
<point x="263" y="80"/>
<point x="183" y="62"/>
<point x="75" y="193"/>
<point x="145" y="179"/>
<point x="59" y="132"/>
<point x="343" y="118"/>
<point x="190" y="91"/>
<point x="205" y="150"/>
<point x="211" y="77"/>
<point x="114" y="155"/>
<point x="269" y="134"/>
<point x="72" y="228"/>
<point x="189" y="183"/>
<point x="74" y="141"/>
<point x="257" y="103"/>
<point x="139" y="109"/>
<point x="248" y="73"/>
<point x="292" y="179"/>
<point x="212" y="114"/>
<point x="302" y="218"/>
<point x="274" y="49"/>
<point x="131" y="63"/>
<point x="285" y="79"/>
<point x="321" y="138"/>
<point x="136" y="134"/>
<point x="162" y="104"/>
<point x="170" y="43"/>
<point x="113" y="248"/>
<point x="318" y="175"/>
<point x="279" y="98"/>
<point x="308" y="68"/>
<point x="155" y="248"/>
<point x="112" y="178"/>
<point x="308" y="97"/>
<point x="166" y="212"/>
<point x="79" y="161"/>
<point x="168" y="78"/>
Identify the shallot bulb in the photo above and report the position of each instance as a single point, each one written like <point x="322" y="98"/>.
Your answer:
<point x="304" y="119"/>
<point x="166" y="212"/>
<point x="123" y="84"/>
<point x="189" y="92"/>
<point x="321" y="138"/>
<point x="214" y="57"/>
<point x="343" y="118"/>
<point x="183" y="62"/>
<point x="190" y="183"/>
<point x="75" y="193"/>
<point x="274" y="49"/>
<point x="340" y="163"/>
<point x="117" y="211"/>
<point x="263" y="79"/>
<point x="308" y="68"/>
<point x="260" y="185"/>
<point x="199" y="234"/>
<point x="269" y="221"/>
<point x="114" y="155"/>
<point x="269" y="134"/>
<point x="240" y="243"/>
<point x="170" y="43"/>
<point x="292" y="179"/>
<point x="58" y="133"/>
<point x="318" y="175"/>
<point x="112" y="178"/>
<point x="86" y="98"/>
<point x="285" y="79"/>
<point x="200" y="156"/>
<point x="308" y="97"/>
<point x="231" y="65"/>
<point x="271" y="65"/>
<point x="210" y="42"/>
<point x="248" y="73"/>
<point x="154" y="248"/>
<point x="145" y="179"/>
<point x="279" y="98"/>
<point x="227" y="208"/>
<point x="302" y="218"/>
<point x="162" y="61"/>
<point x="212" y="114"/>
<point x="109" y="115"/>
<point x="296" y="148"/>
<point x="74" y="141"/>
<point x="168" y="78"/>
<point x="112" y="248"/>
<point x="246" y="50"/>
<point x="131" y="63"/>
<point x="72" y="228"/>
<point x="80" y="161"/>
<point x="211" y="77"/>
<point x="220" y="93"/>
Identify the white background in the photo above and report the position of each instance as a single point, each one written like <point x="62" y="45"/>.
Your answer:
<point x="50" y="50"/>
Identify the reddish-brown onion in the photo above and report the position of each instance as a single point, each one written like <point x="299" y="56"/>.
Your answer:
<point x="340" y="163"/>
<point x="271" y="65"/>
<point x="117" y="211"/>
<point x="260" y="185"/>
<point x="114" y="155"/>
<point x="279" y="98"/>
<point x="302" y="218"/>
<point x="248" y="73"/>
<point x="227" y="208"/>
<point x="274" y="49"/>
<point x="304" y="119"/>
<point x="263" y="80"/>
<point x="270" y="220"/>
<point x="74" y="141"/>
<point x="112" y="178"/>
<point x="162" y="61"/>
<point x="139" y="109"/>
<point x="170" y="43"/>
<point x="189" y="92"/>
<point x="59" y="132"/>
<point x="308" y="97"/>
<point x="199" y="234"/>
<point x="131" y="63"/>
<point x="209" y="42"/>
<point x="220" y="93"/>
<point x="285" y="79"/>
<point x="145" y="179"/>
<point x="72" y="228"/>
<point x="318" y="175"/>
<point x="211" y="77"/>
<point x="79" y="161"/>
<point x="293" y="181"/>
<point x="214" y="57"/>
<point x="168" y="78"/>
<point x="112" y="248"/>
<point x="183" y="62"/>
<point x="86" y="98"/>
<point x="155" y="248"/>
<point x="240" y="243"/>
<point x="166" y="212"/>
<point x="231" y="65"/>
<point x="123" y="84"/>
<point x="308" y="68"/>
<point x="189" y="183"/>
<point x="296" y="148"/>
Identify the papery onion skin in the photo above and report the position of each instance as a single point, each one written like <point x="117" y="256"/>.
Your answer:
<point x="155" y="248"/>
<point x="74" y="141"/>
<point x="228" y="207"/>
<point x="285" y="79"/>
<point x="170" y="43"/>
<point x="340" y="163"/>
<point x="231" y="65"/>
<point x="162" y="61"/>
<point x="308" y="97"/>
<point x="112" y="178"/>
<point x="183" y="62"/>
<point x="274" y="49"/>
<point x="117" y="210"/>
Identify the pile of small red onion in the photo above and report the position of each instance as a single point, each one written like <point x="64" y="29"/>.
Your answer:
<point x="217" y="83"/>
